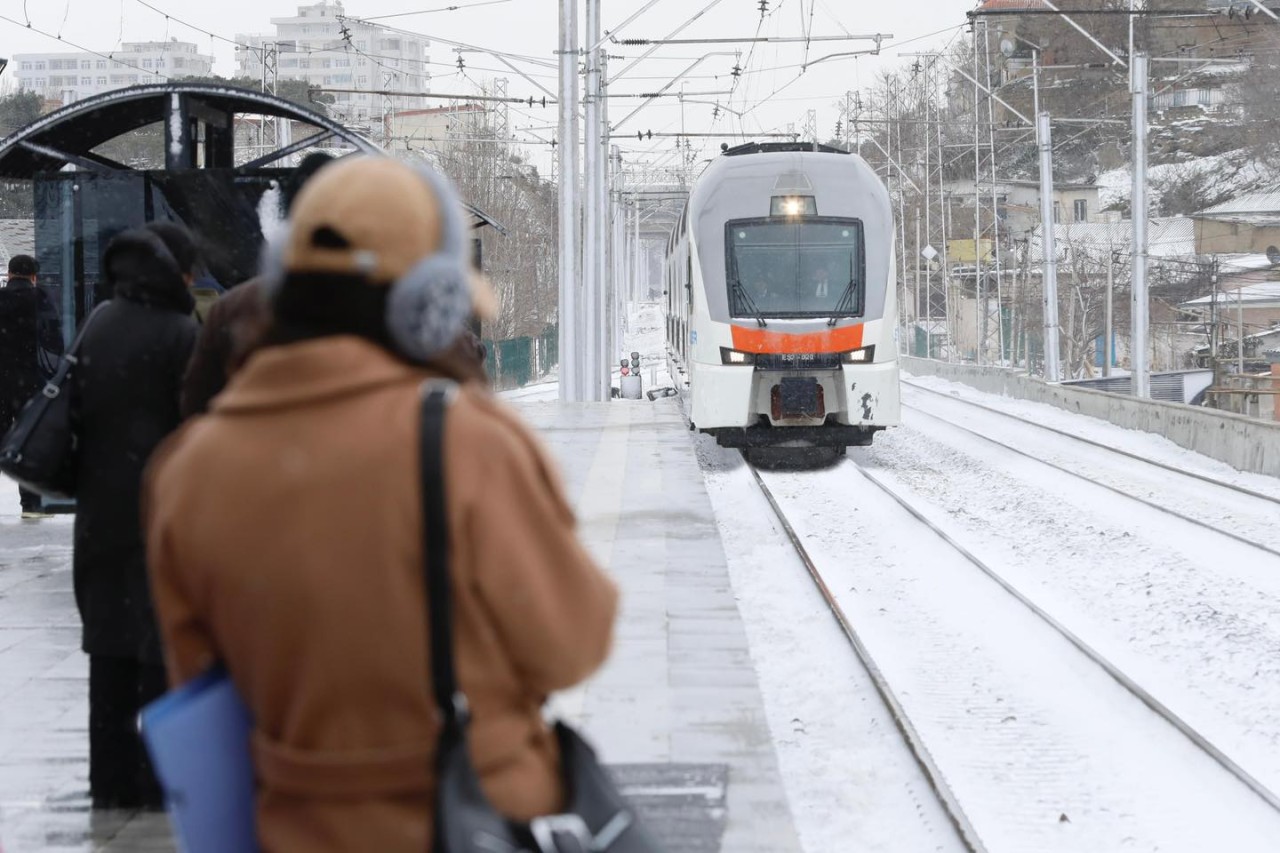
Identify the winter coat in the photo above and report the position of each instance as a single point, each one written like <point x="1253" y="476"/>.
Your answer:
<point x="285" y="539"/>
<point x="125" y="401"/>
<point x="230" y="327"/>
<point x="28" y="324"/>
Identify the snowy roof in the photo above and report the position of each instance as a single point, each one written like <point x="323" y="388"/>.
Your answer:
<point x="1263" y="294"/>
<point x="1167" y="237"/>
<point x="1249" y="204"/>
<point x="990" y="5"/>
<point x="1244" y="263"/>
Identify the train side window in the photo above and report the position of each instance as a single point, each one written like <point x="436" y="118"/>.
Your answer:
<point x="688" y="277"/>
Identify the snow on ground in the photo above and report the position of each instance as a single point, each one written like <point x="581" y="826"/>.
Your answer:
<point x="1043" y="749"/>
<point x="1221" y="507"/>
<point x="850" y="779"/>
<point x="1224" y="175"/>
<point x="1147" y="444"/>
<point x="1192" y="617"/>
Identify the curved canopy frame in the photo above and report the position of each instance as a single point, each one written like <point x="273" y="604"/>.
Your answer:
<point x="198" y="131"/>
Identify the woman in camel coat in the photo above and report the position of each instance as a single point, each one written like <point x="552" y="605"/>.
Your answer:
<point x="285" y="540"/>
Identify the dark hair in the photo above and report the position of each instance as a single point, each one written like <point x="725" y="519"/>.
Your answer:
<point x="180" y="243"/>
<point x="23" y="266"/>
<point x="312" y="163"/>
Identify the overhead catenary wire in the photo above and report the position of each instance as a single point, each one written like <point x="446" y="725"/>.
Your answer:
<point x="107" y="56"/>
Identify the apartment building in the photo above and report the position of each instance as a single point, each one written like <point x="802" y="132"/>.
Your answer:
<point x="330" y="51"/>
<point x="68" y="76"/>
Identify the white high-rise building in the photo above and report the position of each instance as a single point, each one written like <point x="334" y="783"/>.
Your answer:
<point x="329" y="51"/>
<point x="71" y="75"/>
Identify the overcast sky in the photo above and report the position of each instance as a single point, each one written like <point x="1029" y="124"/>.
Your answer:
<point x="529" y="28"/>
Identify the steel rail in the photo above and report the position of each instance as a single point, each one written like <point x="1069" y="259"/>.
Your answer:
<point x="1201" y="477"/>
<point x="950" y="804"/>
<point x="1244" y="540"/>
<point x="1166" y="713"/>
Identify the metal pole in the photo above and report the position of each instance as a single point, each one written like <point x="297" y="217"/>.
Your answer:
<point x="928" y="218"/>
<point x="567" y="166"/>
<point x="928" y="334"/>
<point x="592" y="237"/>
<point x="635" y="253"/>
<point x="604" y="280"/>
<point x="1239" y="332"/>
<point x="618" y="265"/>
<point x="944" y="205"/>
<point x="1049" y="252"/>
<point x="1035" y="80"/>
<point x="995" y="204"/>
<point x="979" y="292"/>
<point x="1141" y="382"/>
<point x="911" y="315"/>
<point x="1108" y="355"/>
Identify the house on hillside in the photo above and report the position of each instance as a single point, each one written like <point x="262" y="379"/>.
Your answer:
<point x="1248" y="224"/>
<point x="1244" y="302"/>
<point x="1018" y="203"/>
<point x="1073" y="202"/>
<point x="1088" y="254"/>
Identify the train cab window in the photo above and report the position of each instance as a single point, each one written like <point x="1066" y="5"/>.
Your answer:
<point x="814" y="267"/>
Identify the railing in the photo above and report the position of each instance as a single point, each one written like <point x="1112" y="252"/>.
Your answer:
<point x="1255" y="396"/>
<point x="514" y="362"/>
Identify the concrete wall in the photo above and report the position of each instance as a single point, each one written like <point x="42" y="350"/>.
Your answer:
<point x="1243" y="443"/>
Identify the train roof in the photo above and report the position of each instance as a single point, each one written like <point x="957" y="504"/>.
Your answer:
<point x="779" y="148"/>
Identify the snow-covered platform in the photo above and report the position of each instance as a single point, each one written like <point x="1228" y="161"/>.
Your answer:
<point x="679" y="697"/>
<point x="44" y="714"/>
<point x="677" y="710"/>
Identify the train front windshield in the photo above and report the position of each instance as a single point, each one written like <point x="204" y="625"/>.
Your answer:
<point x="811" y="267"/>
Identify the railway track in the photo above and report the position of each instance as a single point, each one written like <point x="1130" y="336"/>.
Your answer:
<point x="1039" y="458"/>
<point x="1128" y="683"/>
<point x="911" y="734"/>
<point x="1204" y="478"/>
<point x="932" y="773"/>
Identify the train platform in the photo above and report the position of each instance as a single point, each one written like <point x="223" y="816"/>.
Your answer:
<point x="677" y="711"/>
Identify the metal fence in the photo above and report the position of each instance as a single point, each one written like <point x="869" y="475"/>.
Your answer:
<point x="519" y="361"/>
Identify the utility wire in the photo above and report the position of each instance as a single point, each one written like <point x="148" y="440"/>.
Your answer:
<point x="108" y="56"/>
<point x="455" y="8"/>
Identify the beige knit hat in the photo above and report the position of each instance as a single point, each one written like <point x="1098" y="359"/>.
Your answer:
<point x="394" y="225"/>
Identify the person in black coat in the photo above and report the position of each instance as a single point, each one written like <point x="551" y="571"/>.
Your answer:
<point x="125" y="401"/>
<point x="29" y="341"/>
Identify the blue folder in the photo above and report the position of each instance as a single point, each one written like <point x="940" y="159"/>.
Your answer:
<point x="198" y="736"/>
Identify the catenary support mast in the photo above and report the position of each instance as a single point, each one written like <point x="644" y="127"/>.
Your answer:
<point x="1140" y="346"/>
<point x="567" y="167"/>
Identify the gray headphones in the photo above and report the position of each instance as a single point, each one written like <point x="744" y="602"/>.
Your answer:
<point x="430" y="304"/>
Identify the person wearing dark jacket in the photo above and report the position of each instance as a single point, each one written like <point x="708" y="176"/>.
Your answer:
<point x="125" y="401"/>
<point x="28" y="325"/>
<point x="233" y="325"/>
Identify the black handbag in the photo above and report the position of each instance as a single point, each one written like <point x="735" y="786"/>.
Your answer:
<point x="39" y="449"/>
<point x="598" y="817"/>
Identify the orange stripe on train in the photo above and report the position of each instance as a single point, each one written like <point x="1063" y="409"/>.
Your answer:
<point x="763" y="340"/>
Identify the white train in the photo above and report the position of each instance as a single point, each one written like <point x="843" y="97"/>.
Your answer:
<point x="781" y="309"/>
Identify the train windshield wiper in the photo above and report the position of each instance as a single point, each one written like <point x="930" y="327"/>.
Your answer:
<point x="748" y="304"/>
<point x="846" y="302"/>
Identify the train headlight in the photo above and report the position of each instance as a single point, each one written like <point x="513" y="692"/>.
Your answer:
<point x="865" y="355"/>
<point x="733" y="356"/>
<point x="793" y="205"/>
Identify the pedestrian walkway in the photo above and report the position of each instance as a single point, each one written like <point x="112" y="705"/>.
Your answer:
<point x="676" y="711"/>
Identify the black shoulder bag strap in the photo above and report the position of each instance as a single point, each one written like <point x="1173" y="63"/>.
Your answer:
<point x="53" y="385"/>
<point x="435" y="402"/>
